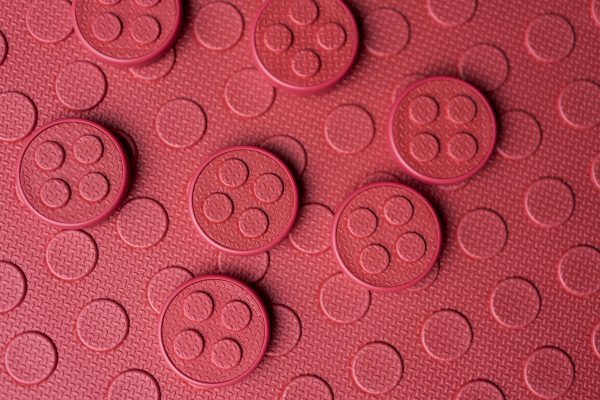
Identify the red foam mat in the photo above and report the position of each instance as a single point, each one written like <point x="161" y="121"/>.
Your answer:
<point x="105" y="224"/>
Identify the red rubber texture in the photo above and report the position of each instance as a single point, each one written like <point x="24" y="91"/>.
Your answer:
<point x="72" y="173"/>
<point x="386" y="236"/>
<point x="243" y="200"/>
<point x="508" y="311"/>
<point x="304" y="46"/>
<point x="127" y="33"/>
<point x="442" y="130"/>
<point x="213" y="331"/>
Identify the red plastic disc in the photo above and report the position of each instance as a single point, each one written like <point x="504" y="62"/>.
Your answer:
<point x="213" y="331"/>
<point x="127" y="32"/>
<point x="386" y="236"/>
<point x="442" y="130"/>
<point x="304" y="46"/>
<point x="243" y="200"/>
<point x="72" y="173"/>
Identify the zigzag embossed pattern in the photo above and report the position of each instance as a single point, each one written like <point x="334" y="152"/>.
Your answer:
<point x="508" y="311"/>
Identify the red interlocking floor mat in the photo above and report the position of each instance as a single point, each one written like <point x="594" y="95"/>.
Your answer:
<point x="299" y="199"/>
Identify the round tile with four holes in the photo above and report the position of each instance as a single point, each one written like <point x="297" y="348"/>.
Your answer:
<point x="213" y="331"/>
<point x="72" y="173"/>
<point x="386" y="236"/>
<point x="243" y="200"/>
<point x="304" y="46"/>
<point x="442" y="130"/>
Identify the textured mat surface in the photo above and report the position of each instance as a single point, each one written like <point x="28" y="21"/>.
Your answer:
<point x="509" y="311"/>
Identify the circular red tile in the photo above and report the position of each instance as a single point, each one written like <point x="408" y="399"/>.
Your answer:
<point x="399" y="240"/>
<point x="377" y="368"/>
<point x="304" y="46"/>
<point x="447" y="335"/>
<point x="127" y="33"/>
<point x="442" y="130"/>
<point x="30" y="357"/>
<point x="243" y="200"/>
<point x="72" y="173"/>
<point x="213" y="331"/>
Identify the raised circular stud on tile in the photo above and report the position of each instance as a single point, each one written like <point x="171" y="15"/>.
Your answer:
<point x="480" y="389"/>
<point x="550" y="37"/>
<point x="342" y="301"/>
<point x="579" y="104"/>
<point x="549" y="372"/>
<point x="515" y="303"/>
<point x="447" y="335"/>
<point x="213" y="331"/>
<point x="484" y="65"/>
<point x="285" y="332"/>
<point x="181" y="123"/>
<point x="133" y="384"/>
<point x="142" y="222"/>
<point x="71" y="255"/>
<point x="238" y="89"/>
<point x="377" y="368"/>
<point x="163" y="283"/>
<point x="387" y="32"/>
<point x="19" y="114"/>
<point x="13" y="286"/>
<point x="298" y="387"/>
<point x="102" y="325"/>
<point x="48" y="21"/>
<point x="156" y="69"/>
<point x="482" y="223"/>
<point x="579" y="270"/>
